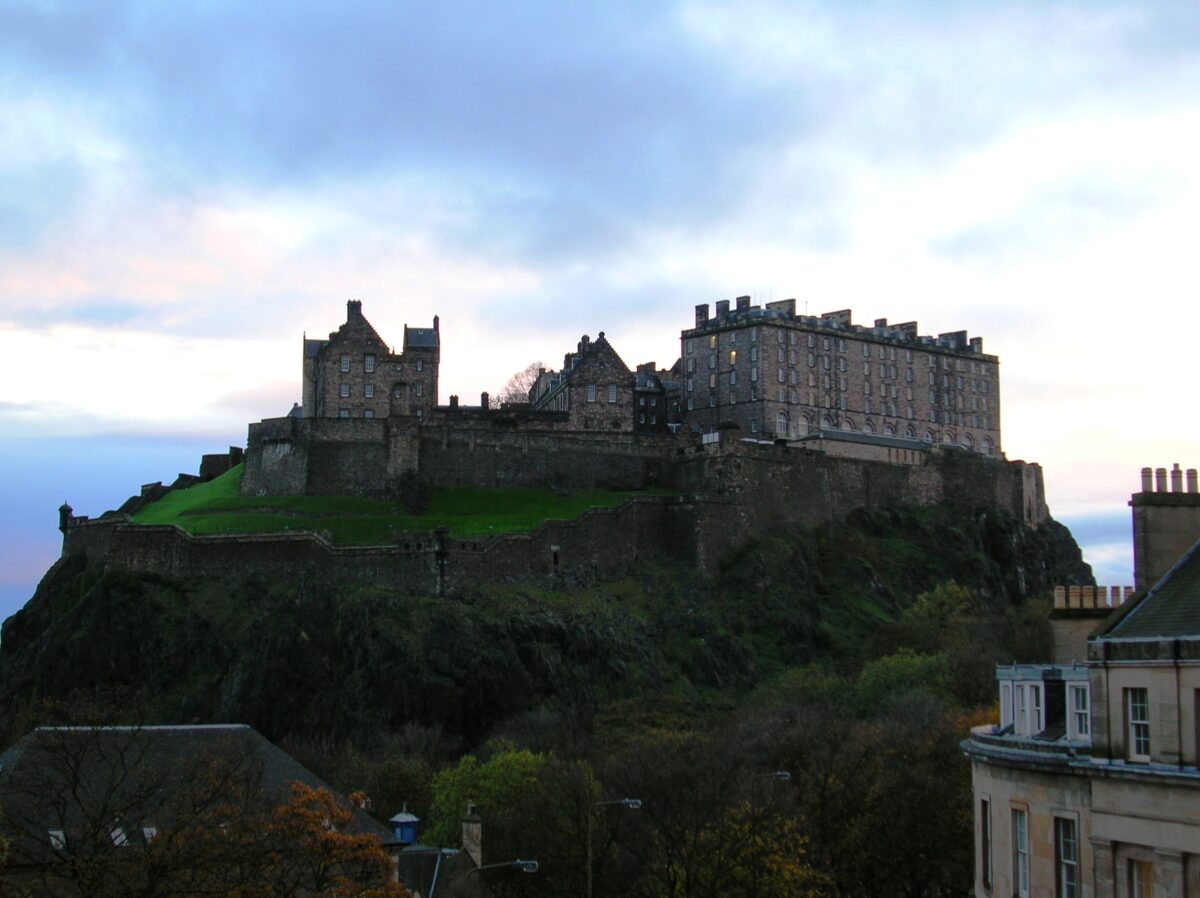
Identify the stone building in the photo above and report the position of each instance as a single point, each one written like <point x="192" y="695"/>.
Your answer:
<point x="1089" y="785"/>
<point x="595" y="388"/>
<point x="781" y="375"/>
<point x="354" y="374"/>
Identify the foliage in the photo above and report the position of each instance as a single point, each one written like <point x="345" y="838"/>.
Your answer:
<point x="516" y="388"/>
<point x="216" y="507"/>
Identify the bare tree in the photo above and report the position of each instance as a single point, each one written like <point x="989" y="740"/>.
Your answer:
<point x="516" y="390"/>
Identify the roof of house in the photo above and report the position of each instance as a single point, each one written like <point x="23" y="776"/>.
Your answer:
<point x="68" y="778"/>
<point x="1169" y="610"/>
<point x="420" y="336"/>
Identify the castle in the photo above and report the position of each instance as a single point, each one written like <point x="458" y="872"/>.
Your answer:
<point x="731" y="431"/>
<point x="369" y="416"/>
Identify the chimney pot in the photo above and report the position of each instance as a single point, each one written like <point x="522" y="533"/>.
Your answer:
<point x="1147" y="480"/>
<point x="1160" y="480"/>
<point x="1176" y="479"/>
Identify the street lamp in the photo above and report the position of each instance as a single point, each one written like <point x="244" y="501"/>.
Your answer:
<point x="524" y="866"/>
<point x="631" y="803"/>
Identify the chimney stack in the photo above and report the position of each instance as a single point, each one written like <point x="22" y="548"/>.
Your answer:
<point x="472" y="835"/>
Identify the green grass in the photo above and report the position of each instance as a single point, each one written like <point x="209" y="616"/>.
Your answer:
<point x="217" y="507"/>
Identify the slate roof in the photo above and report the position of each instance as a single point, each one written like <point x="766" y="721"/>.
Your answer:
<point x="63" y="778"/>
<point x="871" y="439"/>
<point x="1170" y="610"/>
<point x="420" y="336"/>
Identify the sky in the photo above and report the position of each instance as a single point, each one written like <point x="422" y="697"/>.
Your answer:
<point x="186" y="189"/>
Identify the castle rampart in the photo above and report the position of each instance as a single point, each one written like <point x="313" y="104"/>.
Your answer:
<point x="729" y="493"/>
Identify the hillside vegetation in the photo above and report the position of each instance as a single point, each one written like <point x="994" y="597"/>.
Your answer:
<point x="853" y="656"/>
<point x="218" y="507"/>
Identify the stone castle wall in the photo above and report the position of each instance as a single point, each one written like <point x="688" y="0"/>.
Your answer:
<point x="727" y="494"/>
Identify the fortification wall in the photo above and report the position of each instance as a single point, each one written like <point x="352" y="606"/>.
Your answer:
<point x="601" y="543"/>
<point x="484" y="457"/>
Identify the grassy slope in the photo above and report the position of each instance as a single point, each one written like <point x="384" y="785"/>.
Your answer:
<point x="217" y="507"/>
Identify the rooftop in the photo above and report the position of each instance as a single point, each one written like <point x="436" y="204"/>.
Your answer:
<point x="1170" y="610"/>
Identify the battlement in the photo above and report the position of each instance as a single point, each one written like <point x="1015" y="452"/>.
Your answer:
<point x="840" y="321"/>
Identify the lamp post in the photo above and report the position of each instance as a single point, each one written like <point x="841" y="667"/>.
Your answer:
<point x="524" y="866"/>
<point x="632" y="803"/>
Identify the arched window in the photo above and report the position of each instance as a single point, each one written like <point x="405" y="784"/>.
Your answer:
<point x="848" y="423"/>
<point x="781" y="420"/>
<point x="928" y="438"/>
<point x="889" y="430"/>
<point x="868" y="426"/>
<point x="910" y="433"/>
<point x="969" y="441"/>
<point x="988" y="449"/>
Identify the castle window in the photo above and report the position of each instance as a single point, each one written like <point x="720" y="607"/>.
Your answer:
<point x="345" y="363"/>
<point x="732" y="337"/>
<point x="654" y="419"/>
<point x="420" y="364"/>
<point x="712" y="342"/>
<point x="344" y="391"/>
<point x="732" y="378"/>
<point x="866" y="388"/>
<point x="792" y="338"/>
<point x="867" y="406"/>
<point x="642" y="418"/>
<point x="754" y="374"/>
<point x="1137" y="716"/>
<point x="781" y="374"/>
<point x="712" y="381"/>
<point x="753" y="393"/>
<point x="591" y="392"/>
<point x="420" y="389"/>
<point x="908" y="356"/>
<point x="691" y="366"/>
<point x="368" y="391"/>
<point x="398" y="392"/>
<point x="642" y="401"/>
<point x="841" y="364"/>
<point x="733" y="356"/>
<point x="691" y="404"/>
<point x="689" y="385"/>
<point x="754" y="426"/>
<point x="369" y="364"/>
<point x="343" y="413"/>
<point x="687" y="346"/>
<point x="712" y="360"/>
<point x="825" y="362"/>
<point x="368" y="413"/>
<point x="825" y="343"/>
<point x="792" y="378"/>
<point x="712" y="401"/>
<point x="612" y="392"/>
<point x="754" y="353"/>
<point x="754" y="335"/>
<point x="908" y="376"/>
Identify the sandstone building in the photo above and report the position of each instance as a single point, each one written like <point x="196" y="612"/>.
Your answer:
<point x="781" y="375"/>
<point x="1090" y="783"/>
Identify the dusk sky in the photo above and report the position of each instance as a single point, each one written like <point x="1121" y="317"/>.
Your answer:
<point x="185" y="189"/>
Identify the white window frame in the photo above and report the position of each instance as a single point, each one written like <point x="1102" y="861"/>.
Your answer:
<point x="343" y="413"/>
<point x="591" y="392"/>
<point x="1006" y="705"/>
<point x="368" y="391"/>
<point x="1021" y="725"/>
<point x="1066" y="857"/>
<point x="369" y="363"/>
<point x="1079" y="711"/>
<point x="612" y="392"/>
<point x="1137" y="699"/>
<point x="1020" y="852"/>
<point x="1036" y="718"/>
<point x="345" y="365"/>
<point x="344" y="391"/>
